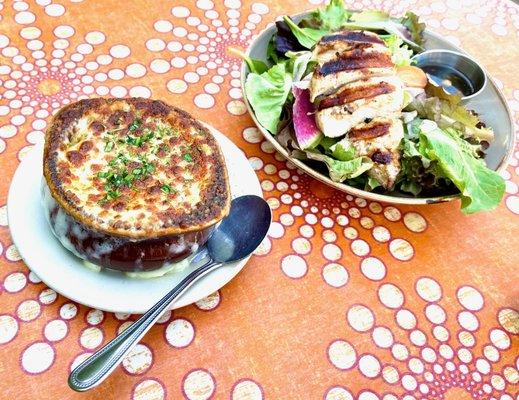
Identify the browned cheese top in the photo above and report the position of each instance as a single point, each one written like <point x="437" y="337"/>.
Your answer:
<point x="135" y="168"/>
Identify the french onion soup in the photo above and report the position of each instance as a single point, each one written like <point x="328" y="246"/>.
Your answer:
<point x="132" y="184"/>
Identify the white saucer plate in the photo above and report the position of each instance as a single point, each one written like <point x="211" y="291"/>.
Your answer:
<point x="107" y="290"/>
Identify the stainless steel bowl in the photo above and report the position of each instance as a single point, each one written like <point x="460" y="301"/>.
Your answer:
<point x="455" y="72"/>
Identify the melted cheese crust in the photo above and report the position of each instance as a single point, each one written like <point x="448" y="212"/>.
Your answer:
<point x="135" y="167"/>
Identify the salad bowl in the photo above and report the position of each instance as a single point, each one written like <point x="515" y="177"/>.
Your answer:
<point x="489" y="104"/>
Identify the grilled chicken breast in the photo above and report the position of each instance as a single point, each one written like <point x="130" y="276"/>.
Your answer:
<point x="357" y="93"/>
<point x="379" y="139"/>
<point x="356" y="101"/>
<point x="347" y="57"/>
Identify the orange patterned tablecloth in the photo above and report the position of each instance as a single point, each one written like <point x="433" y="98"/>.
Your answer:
<point x="346" y="299"/>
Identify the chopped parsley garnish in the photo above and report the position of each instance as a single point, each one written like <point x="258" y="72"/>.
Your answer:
<point x="118" y="174"/>
<point x="134" y="141"/>
<point x="109" y="146"/>
<point x="120" y="158"/>
<point x="136" y="124"/>
<point x="166" y="189"/>
<point x="112" y="194"/>
<point x="164" y="131"/>
<point x="147" y="167"/>
<point x="188" y="157"/>
<point x="138" y="141"/>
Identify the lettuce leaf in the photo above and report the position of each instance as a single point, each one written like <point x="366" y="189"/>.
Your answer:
<point x="419" y="173"/>
<point x="326" y="143"/>
<point x="400" y="53"/>
<point x="375" y="20"/>
<point x="480" y="187"/>
<point x="413" y="26"/>
<point x="272" y="55"/>
<point x="332" y="17"/>
<point x="371" y="184"/>
<point x="267" y="93"/>
<point x="307" y="37"/>
<point x="299" y="63"/>
<point x="343" y="151"/>
<point x="255" y="66"/>
<point x="447" y="111"/>
<point x="365" y="182"/>
<point x="411" y="187"/>
<point x="341" y="170"/>
<point x="284" y="40"/>
<point x="338" y="170"/>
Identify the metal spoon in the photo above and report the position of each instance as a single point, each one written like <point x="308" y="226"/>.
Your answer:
<point x="235" y="238"/>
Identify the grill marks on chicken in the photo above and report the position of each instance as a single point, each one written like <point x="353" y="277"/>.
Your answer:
<point x="350" y="93"/>
<point x="347" y="57"/>
<point x="352" y="37"/>
<point x="330" y="51"/>
<point x="357" y="101"/>
<point x="370" y="130"/>
<point x="379" y="139"/>
<point x="358" y="59"/>
<point x="358" y="94"/>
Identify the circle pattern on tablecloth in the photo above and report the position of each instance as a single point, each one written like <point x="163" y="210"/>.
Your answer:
<point x="8" y="328"/>
<point x="246" y="389"/>
<point x="198" y="384"/>
<point x="429" y="336"/>
<point x="180" y="333"/>
<point x="149" y="389"/>
<point x="138" y="360"/>
<point x="37" y="358"/>
<point x="453" y="373"/>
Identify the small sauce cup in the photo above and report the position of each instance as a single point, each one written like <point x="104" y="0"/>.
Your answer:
<point x="457" y="73"/>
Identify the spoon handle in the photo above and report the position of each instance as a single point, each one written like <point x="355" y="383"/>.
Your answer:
<point x="97" y="367"/>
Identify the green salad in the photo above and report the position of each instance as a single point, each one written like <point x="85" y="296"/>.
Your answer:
<point x="336" y="92"/>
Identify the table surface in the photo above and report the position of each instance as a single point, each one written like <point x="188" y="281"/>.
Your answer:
<point x="345" y="299"/>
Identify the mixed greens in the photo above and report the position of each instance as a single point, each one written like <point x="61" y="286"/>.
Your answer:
<point x="443" y="146"/>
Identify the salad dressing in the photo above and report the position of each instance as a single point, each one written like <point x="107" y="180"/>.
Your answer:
<point x="453" y="81"/>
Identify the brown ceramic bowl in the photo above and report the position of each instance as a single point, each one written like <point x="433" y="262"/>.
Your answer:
<point x="116" y="252"/>
<point x="132" y="184"/>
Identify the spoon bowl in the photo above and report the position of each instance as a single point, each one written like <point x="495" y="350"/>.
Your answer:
<point x="235" y="238"/>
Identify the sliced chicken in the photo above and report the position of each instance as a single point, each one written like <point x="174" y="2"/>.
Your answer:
<point x="386" y="169"/>
<point x="357" y="94"/>
<point x="357" y="101"/>
<point x="348" y="56"/>
<point x="379" y="139"/>
<point x="348" y="41"/>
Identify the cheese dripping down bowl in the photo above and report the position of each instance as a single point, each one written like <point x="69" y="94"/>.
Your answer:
<point x="132" y="184"/>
